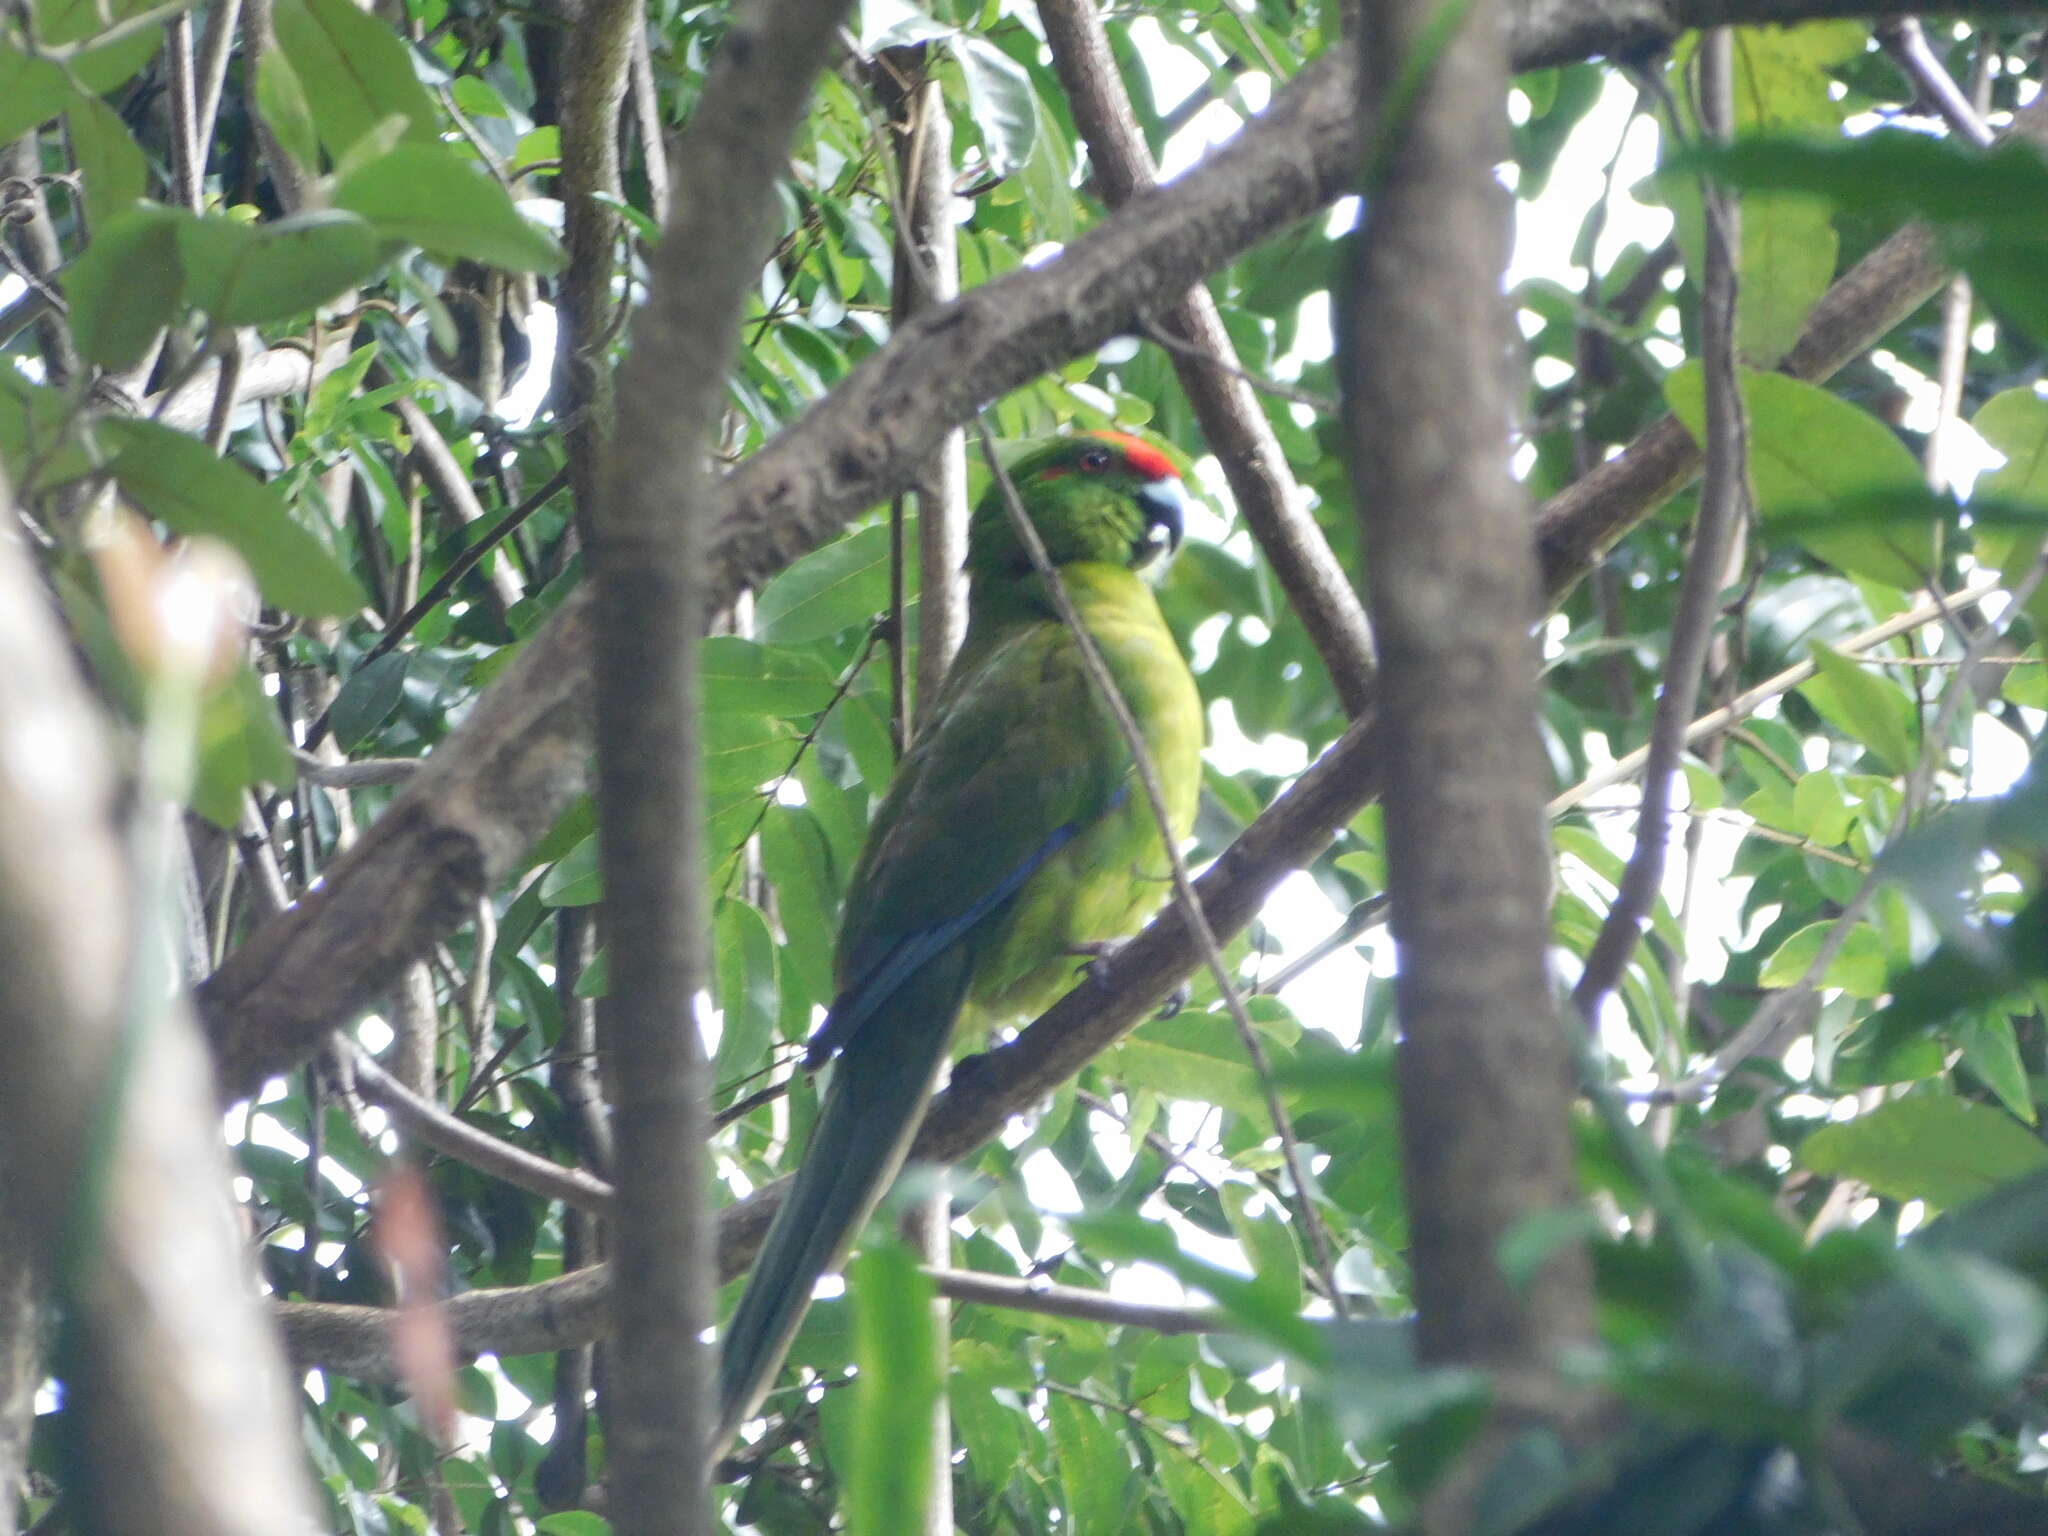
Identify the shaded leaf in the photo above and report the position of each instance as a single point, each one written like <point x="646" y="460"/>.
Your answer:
<point x="1931" y="1147"/>
<point x="427" y="195"/>
<point x="175" y="479"/>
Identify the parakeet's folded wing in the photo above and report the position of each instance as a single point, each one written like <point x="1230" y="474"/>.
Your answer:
<point x="1020" y="756"/>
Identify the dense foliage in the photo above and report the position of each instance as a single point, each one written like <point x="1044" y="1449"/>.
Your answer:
<point x="374" y="199"/>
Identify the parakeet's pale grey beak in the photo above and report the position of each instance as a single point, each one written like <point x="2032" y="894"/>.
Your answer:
<point x="1164" y="504"/>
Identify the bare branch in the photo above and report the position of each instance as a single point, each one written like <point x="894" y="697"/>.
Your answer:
<point x="646" y="542"/>
<point x="1724" y="503"/>
<point x="356" y="1341"/>
<point x="1215" y="383"/>
<point x="427" y="1123"/>
<point x="1484" y="1069"/>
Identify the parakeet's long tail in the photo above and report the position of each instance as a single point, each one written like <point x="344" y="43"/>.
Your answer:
<point x="872" y="1110"/>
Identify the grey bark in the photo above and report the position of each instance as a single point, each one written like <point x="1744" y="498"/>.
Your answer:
<point x="1484" y="1069"/>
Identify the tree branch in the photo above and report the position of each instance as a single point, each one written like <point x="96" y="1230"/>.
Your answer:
<point x="1724" y="502"/>
<point x="1484" y="1069"/>
<point x="1232" y="420"/>
<point x="646" y="541"/>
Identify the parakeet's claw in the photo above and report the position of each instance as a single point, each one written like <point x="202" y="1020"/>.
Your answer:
<point x="1099" y="953"/>
<point x="1176" y="1000"/>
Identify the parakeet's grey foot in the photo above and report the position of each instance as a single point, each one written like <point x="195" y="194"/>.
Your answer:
<point x="1102" y="951"/>
<point x="1099" y="953"/>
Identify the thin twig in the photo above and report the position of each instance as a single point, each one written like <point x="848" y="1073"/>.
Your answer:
<point x="1361" y="917"/>
<point x="1322" y="405"/>
<point x="229" y="380"/>
<point x="458" y="568"/>
<point x="213" y="70"/>
<point x="647" y="118"/>
<point x="1744" y="704"/>
<point x="1724" y="501"/>
<point x="1183" y="884"/>
<point x="364" y="773"/>
<point x="430" y="1125"/>
<point x="1904" y="39"/>
<point x="187" y="168"/>
<point x="120" y="31"/>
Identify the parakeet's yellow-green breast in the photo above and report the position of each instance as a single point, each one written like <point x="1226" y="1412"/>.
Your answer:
<point x="1015" y="837"/>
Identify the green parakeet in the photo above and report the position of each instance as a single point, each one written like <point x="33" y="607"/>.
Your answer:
<point x="1015" y="838"/>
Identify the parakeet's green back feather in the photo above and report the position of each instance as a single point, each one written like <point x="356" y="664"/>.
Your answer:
<point x="1014" y="833"/>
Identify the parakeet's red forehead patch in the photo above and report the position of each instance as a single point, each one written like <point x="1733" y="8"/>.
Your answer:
<point x="1141" y="455"/>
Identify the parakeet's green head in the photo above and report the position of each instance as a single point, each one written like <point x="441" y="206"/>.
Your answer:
<point x="1103" y="496"/>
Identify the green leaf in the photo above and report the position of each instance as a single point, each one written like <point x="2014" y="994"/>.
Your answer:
<point x="1001" y="102"/>
<point x="427" y="195"/>
<point x="744" y="676"/>
<point x="33" y="90"/>
<point x="1858" y="970"/>
<point x="369" y="696"/>
<point x="829" y="590"/>
<point x="1893" y="174"/>
<point x="1788" y="261"/>
<point x="248" y="274"/>
<point x="281" y="101"/>
<point x="574" y="882"/>
<point x="1259" y="1308"/>
<point x="573" y="1522"/>
<point x="112" y="173"/>
<point x="1864" y="704"/>
<point x="124" y="289"/>
<point x="241" y="744"/>
<point x="744" y="951"/>
<point x="2015" y="422"/>
<point x="896" y="1336"/>
<point x="1268" y="1241"/>
<point x="353" y="71"/>
<point x="1094" y="1470"/>
<point x="1992" y="1051"/>
<point x="176" y="480"/>
<point x="43" y="442"/>
<point x="1198" y="1058"/>
<point x="1810" y="452"/>
<point x="1930" y="1147"/>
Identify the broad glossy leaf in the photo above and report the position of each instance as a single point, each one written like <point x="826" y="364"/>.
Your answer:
<point x="354" y="72"/>
<point x="281" y="99"/>
<point x="1094" y="1470"/>
<point x="369" y="696"/>
<point x="829" y="590"/>
<point x="744" y="676"/>
<point x="124" y="289"/>
<point x="429" y="196"/>
<point x="744" y="951"/>
<point x="573" y="882"/>
<point x="2015" y="422"/>
<point x="247" y="274"/>
<point x="176" y="480"/>
<point x="241" y="745"/>
<point x="1810" y="452"/>
<point x="112" y="173"/>
<point x="1866" y="705"/>
<point x="896" y="1344"/>
<point x="1929" y="1146"/>
<point x="1001" y="101"/>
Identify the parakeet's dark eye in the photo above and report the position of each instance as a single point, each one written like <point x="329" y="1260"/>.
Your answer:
<point x="1095" y="460"/>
